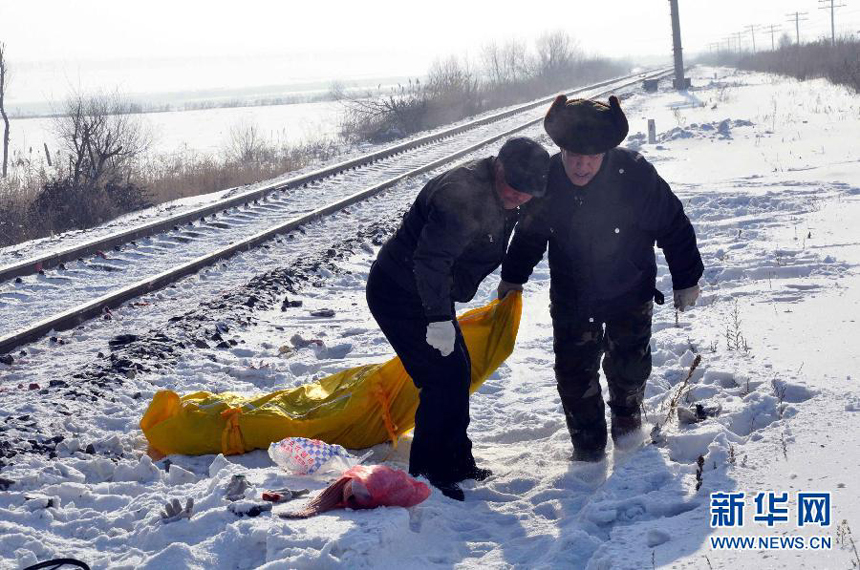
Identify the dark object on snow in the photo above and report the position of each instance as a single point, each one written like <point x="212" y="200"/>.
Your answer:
<point x="7" y="359"/>
<point x="624" y="425"/>
<point x="586" y="126"/>
<point x="248" y="508"/>
<point x="57" y="564"/>
<point x="327" y="313"/>
<point x="283" y="495"/>
<point x="588" y="454"/>
<point x="122" y="340"/>
<point x="200" y="343"/>
<point x="697" y="413"/>
<point x="5" y="483"/>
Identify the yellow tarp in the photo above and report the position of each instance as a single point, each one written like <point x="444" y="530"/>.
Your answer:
<point x="355" y="408"/>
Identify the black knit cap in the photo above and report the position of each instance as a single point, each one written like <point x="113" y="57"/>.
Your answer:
<point x="526" y="164"/>
<point x="585" y="126"/>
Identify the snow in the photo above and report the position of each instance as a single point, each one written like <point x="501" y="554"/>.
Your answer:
<point x="775" y="205"/>
<point x="205" y="131"/>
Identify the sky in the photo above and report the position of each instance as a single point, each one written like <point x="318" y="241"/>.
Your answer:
<point x="148" y="46"/>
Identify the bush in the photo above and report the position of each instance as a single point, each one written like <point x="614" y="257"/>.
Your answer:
<point x="63" y="205"/>
<point x="454" y="89"/>
<point x="839" y="63"/>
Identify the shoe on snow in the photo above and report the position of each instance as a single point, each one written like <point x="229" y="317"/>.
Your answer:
<point x="623" y="426"/>
<point x="479" y="474"/>
<point x="474" y="472"/>
<point x="450" y="490"/>
<point x="588" y="455"/>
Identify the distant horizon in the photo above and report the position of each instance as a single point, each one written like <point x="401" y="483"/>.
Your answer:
<point x="168" y="47"/>
<point x="166" y="80"/>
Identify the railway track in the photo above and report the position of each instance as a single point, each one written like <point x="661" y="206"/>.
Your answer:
<point x="58" y="290"/>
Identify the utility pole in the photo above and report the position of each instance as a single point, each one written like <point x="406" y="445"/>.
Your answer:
<point x="680" y="82"/>
<point x="738" y="36"/>
<point x="798" y="17"/>
<point x="752" y="29"/>
<point x="833" y="7"/>
<point x="772" y="29"/>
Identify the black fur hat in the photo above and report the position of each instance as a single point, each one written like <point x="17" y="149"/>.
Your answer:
<point x="585" y="126"/>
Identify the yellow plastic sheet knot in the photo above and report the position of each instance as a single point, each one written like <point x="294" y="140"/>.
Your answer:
<point x="385" y="402"/>
<point x="232" y="442"/>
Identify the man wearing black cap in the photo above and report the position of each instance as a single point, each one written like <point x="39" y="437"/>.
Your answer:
<point x="605" y="209"/>
<point x="453" y="236"/>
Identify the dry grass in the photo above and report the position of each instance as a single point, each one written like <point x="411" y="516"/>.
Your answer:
<point x="37" y="200"/>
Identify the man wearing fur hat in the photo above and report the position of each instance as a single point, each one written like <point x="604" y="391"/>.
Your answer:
<point x="604" y="210"/>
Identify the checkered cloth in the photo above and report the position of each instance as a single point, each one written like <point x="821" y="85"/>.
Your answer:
<point x="304" y="456"/>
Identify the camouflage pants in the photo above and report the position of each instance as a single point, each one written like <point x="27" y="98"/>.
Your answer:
<point x="625" y="342"/>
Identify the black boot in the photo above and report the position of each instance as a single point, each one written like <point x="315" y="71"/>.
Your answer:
<point x="450" y="489"/>
<point x="480" y="474"/>
<point x="625" y="424"/>
<point x="589" y="444"/>
<point x="468" y="469"/>
<point x="444" y="482"/>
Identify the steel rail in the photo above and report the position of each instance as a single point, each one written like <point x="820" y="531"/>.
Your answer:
<point x="35" y="264"/>
<point x="73" y="317"/>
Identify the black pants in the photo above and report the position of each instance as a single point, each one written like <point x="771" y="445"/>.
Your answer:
<point x="627" y="365"/>
<point x="441" y="450"/>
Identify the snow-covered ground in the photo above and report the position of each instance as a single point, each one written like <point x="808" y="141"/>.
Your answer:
<point x="205" y="131"/>
<point x="774" y="194"/>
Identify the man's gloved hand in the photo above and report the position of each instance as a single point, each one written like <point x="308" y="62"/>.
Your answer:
<point x="686" y="298"/>
<point x="174" y="511"/>
<point x="441" y="336"/>
<point x="505" y="288"/>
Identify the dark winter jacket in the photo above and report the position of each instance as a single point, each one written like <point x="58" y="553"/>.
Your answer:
<point x="452" y="237"/>
<point x="601" y="239"/>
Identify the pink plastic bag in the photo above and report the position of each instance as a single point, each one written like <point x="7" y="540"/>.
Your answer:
<point x="367" y="487"/>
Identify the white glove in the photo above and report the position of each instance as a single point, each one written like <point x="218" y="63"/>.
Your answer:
<point x="441" y="336"/>
<point x="506" y="287"/>
<point x="174" y="511"/>
<point x="686" y="298"/>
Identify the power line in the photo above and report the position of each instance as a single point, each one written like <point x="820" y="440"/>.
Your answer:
<point x="752" y="28"/>
<point x="772" y="28"/>
<point x="797" y="20"/>
<point x="738" y="37"/>
<point x="832" y="17"/>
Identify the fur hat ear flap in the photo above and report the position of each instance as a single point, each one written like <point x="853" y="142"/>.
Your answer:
<point x="559" y="102"/>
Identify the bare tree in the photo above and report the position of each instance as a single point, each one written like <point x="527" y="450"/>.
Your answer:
<point x="507" y="63"/>
<point x="558" y="55"/>
<point x="492" y="61"/>
<point x="245" y="143"/>
<point x="102" y="137"/>
<point x="4" y="76"/>
<point x="516" y="60"/>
